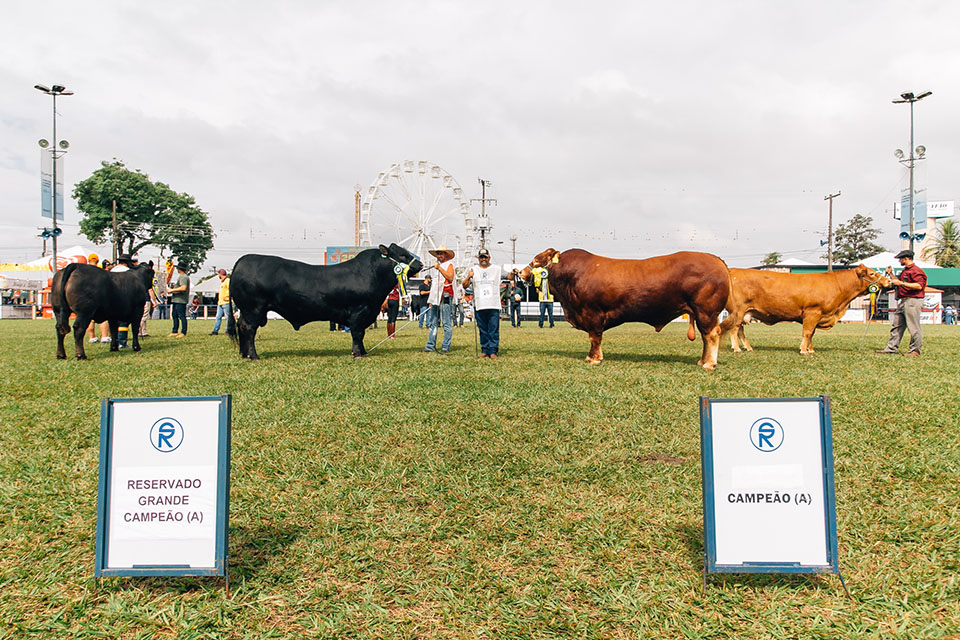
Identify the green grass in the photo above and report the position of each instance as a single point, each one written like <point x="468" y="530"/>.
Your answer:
<point x="412" y="495"/>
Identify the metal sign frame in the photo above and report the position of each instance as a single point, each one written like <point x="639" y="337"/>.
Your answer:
<point x="709" y="508"/>
<point x="220" y="567"/>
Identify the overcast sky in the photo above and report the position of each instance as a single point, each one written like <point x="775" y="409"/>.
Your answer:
<point x="627" y="128"/>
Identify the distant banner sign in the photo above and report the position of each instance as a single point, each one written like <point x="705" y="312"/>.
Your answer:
<point x="46" y="180"/>
<point x="164" y="486"/>
<point x="336" y="255"/>
<point x="768" y="489"/>
<point x="935" y="209"/>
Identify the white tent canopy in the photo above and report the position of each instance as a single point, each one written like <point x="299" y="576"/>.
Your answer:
<point x="883" y="260"/>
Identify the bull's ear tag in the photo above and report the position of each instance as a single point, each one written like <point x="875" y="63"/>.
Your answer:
<point x="556" y="258"/>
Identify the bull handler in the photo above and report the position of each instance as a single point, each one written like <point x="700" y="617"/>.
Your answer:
<point x="911" y="286"/>
<point x="486" y="302"/>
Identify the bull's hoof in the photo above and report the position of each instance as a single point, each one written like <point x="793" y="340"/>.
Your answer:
<point x="359" y="355"/>
<point x="710" y="366"/>
<point x="137" y="348"/>
<point x="81" y="357"/>
<point x="590" y="360"/>
<point x="61" y="356"/>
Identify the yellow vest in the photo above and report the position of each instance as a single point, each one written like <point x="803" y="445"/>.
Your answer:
<point x="223" y="297"/>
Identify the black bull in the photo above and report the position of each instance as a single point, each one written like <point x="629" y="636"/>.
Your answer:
<point x="349" y="293"/>
<point x="98" y="295"/>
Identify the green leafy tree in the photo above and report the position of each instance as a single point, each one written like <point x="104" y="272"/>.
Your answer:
<point x="148" y="213"/>
<point x="945" y="248"/>
<point x="774" y="257"/>
<point x="854" y="240"/>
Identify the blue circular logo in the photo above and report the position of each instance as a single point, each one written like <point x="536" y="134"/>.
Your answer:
<point x="766" y="435"/>
<point x="166" y="435"/>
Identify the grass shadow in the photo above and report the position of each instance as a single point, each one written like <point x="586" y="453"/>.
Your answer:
<point x="691" y="537"/>
<point x="252" y="547"/>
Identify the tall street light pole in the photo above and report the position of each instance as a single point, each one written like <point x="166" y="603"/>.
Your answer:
<point x="55" y="90"/>
<point x="910" y="161"/>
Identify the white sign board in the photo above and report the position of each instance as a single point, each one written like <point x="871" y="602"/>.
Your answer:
<point x="938" y="209"/>
<point x="164" y="478"/>
<point x="768" y="485"/>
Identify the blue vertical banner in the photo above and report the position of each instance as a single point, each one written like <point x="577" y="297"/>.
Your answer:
<point x="920" y="211"/>
<point x="904" y="216"/>
<point x="46" y="183"/>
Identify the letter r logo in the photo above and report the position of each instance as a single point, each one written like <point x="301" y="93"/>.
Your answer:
<point x="766" y="435"/>
<point x="166" y="435"/>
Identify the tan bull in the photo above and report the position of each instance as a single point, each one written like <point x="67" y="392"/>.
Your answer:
<point x="816" y="300"/>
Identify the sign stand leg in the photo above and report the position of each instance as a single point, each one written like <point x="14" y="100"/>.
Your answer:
<point x="226" y="581"/>
<point x="844" y="585"/>
<point x="703" y="585"/>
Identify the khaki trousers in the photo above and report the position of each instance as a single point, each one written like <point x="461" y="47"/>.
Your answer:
<point x="906" y="317"/>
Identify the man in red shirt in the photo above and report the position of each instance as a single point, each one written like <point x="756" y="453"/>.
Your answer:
<point x="911" y="286"/>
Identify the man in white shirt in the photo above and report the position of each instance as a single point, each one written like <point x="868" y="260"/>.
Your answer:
<point x="486" y="300"/>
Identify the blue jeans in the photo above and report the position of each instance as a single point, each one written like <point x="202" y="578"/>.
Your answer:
<point x="179" y="316"/>
<point x="223" y="311"/>
<point x="546" y="308"/>
<point x="488" y="322"/>
<point x="437" y="314"/>
<point x="514" y="313"/>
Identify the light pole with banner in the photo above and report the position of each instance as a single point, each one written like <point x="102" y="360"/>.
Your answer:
<point x="55" y="155"/>
<point x="908" y="231"/>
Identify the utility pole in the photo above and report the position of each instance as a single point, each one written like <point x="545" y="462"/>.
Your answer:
<point x="483" y="223"/>
<point x="830" y="230"/>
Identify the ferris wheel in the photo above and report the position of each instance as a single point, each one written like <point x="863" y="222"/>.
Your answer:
<point x="419" y="206"/>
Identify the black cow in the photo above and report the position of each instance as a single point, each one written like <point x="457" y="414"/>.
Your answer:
<point x="349" y="293"/>
<point x="95" y="294"/>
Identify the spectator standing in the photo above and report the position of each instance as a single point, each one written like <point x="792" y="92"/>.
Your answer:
<point x="911" y="286"/>
<point x="424" y="303"/>
<point x="949" y="314"/>
<point x="94" y="260"/>
<point x="541" y="280"/>
<point x="393" y="308"/>
<point x="515" y="294"/>
<point x="486" y="303"/>
<point x="442" y="297"/>
<point x="179" y="298"/>
<point x="223" y="301"/>
<point x="124" y="262"/>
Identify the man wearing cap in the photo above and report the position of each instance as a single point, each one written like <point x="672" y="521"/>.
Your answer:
<point x="486" y="303"/>
<point x="424" y="297"/>
<point x="442" y="298"/>
<point x="911" y="286"/>
<point x="223" y="301"/>
<point x="179" y="299"/>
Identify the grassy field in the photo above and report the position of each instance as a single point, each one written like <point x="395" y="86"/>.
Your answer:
<point x="413" y="495"/>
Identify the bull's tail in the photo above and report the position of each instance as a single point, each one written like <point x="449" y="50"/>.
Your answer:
<point x="58" y="297"/>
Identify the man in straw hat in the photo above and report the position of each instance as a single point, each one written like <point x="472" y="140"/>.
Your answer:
<point x="442" y="297"/>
